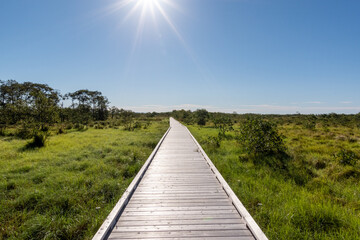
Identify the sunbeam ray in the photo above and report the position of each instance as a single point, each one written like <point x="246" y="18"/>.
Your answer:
<point x="132" y="11"/>
<point x="152" y="7"/>
<point x="182" y="41"/>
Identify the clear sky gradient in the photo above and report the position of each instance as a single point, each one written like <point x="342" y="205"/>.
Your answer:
<point x="278" y="56"/>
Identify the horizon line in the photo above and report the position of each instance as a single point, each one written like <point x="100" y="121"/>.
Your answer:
<point x="248" y="109"/>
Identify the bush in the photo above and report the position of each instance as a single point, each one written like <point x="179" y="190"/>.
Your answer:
<point x="347" y="157"/>
<point x="201" y="116"/>
<point x="39" y="139"/>
<point x="311" y="125"/>
<point x="24" y="132"/>
<point x="260" y="137"/>
<point x="60" y="130"/>
<point x="80" y="127"/>
<point x="201" y="122"/>
<point x="320" y="164"/>
<point x="213" y="142"/>
<point x="224" y="124"/>
<point x="2" y="131"/>
<point x="147" y="125"/>
<point x="137" y="125"/>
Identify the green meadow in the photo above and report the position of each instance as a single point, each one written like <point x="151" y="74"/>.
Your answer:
<point x="313" y="193"/>
<point x="66" y="189"/>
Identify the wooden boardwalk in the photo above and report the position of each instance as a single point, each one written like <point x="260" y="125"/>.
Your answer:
<point x="179" y="194"/>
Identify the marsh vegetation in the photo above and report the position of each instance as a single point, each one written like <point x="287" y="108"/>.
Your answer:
<point x="298" y="175"/>
<point x="66" y="189"/>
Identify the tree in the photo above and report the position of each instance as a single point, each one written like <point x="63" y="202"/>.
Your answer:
<point x="28" y="102"/>
<point x="201" y="116"/>
<point x="88" y="105"/>
<point x="127" y="118"/>
<point x="114" y="112"/>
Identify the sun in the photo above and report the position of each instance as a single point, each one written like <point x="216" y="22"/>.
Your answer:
<point x="143" y="9"/>
<point x="146" y="12"/>
<point x="148" y="4"/>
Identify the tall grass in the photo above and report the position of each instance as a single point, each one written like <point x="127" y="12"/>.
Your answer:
<point x="314" y="196"/>
<point x="66" y="189"/>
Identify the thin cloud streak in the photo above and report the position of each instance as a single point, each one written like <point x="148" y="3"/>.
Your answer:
<point x="262" y="109"/>
<point x="314" y="102"/>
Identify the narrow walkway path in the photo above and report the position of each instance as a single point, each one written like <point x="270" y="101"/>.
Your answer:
<point x="180" y="196"/>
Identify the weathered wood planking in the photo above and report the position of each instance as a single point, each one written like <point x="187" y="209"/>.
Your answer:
<point x="179" y="194"/>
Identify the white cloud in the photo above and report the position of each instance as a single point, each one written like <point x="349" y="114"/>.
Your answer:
<point x="314" y="102"/>
<point x="261" y="108"/>
<point x="345" y="102"/>
<point x="167" y="108"/>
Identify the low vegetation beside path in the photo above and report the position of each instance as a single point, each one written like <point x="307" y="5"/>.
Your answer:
<point x="298" y="178"/>
<point x="66" y="189"/>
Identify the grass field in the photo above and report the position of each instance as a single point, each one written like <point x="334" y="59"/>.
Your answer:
<point x="312" y="197"/>
<point x="66" y="189"/>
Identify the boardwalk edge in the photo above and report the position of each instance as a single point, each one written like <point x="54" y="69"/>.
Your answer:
<point x="109" y="223"/>
<point x="250" y="222"/>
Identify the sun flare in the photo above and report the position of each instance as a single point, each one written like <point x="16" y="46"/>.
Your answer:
<point x="148" y="4"/>
<point x="144" y="8"/>
<point x="147" y="13"/>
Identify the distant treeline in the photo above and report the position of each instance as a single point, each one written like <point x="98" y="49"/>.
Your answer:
<point x="38" y="106"/>
<point x="30" y="110"/>
<point x="203" y="117"/>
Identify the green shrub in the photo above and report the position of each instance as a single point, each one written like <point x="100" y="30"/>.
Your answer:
<point x="80" y="127"/>
<point x="320" y="164"/>
<point x="24" y="132"/>
<point x="213" y="142"/>
<point x="347" y="157"/>
<point x="260" y="137"/>
<point x="39" y="139"/>
<point x="201" y="116"/>
<point x="224" y="124"/>
<point x="311" y="125"/>
<point x="137" y="125"/>
<point x="60" y="130"/>
<point x="347" y="173"/>
<point x="2" y="130"/>
<point x="99" y="127"/>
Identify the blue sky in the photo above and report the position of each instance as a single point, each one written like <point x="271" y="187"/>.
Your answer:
<point x="278" y="56"/>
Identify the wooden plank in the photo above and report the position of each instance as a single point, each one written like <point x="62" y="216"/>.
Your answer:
<point x="175" y="213"/>
<point x="189" y="208"/>
<point x="178" y="217"/>
<point x="185" y="227"/>
<point x="202" y="201"/>
<point x="184" y="191"/>
<point x="174" y="194"/>
<point x="179" y="196"/>
<point x="216" y="233"/>
<point x="178" y="204"/>
<point x="197" y="238"/>
<point x="168" y="222"/>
